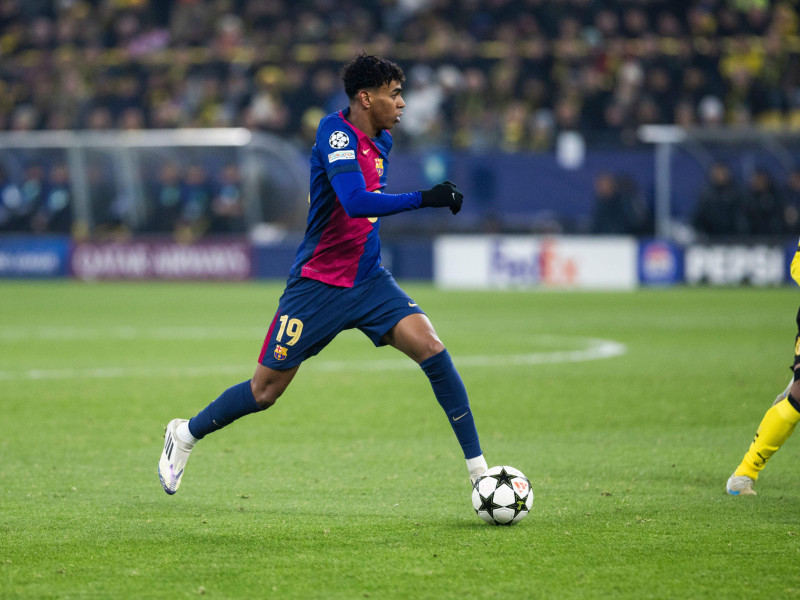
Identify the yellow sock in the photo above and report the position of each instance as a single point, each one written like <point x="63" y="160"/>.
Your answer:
<point x="775" y="428"/>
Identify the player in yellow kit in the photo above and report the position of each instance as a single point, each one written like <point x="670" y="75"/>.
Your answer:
<point x="777" y="424"/>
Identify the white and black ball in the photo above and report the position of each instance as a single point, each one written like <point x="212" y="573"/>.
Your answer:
<point x="502" y="496"/>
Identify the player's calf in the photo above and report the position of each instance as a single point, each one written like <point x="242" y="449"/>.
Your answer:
<point x="452" y="397"/>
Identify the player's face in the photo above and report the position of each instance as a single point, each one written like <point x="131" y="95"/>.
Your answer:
<point x="386" y="105"/>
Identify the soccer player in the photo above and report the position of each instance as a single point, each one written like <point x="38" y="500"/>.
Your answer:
<point x="337" y="281"/>
<point x="778" y="422"/>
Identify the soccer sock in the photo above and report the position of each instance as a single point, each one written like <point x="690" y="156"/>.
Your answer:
<point x="775" y="428"/>
<point x="452" y="396"/>
<point x="184" y="435"/>
<point x="237" y="401"/>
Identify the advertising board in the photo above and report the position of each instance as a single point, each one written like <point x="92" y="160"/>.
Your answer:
<point x="735" y="264"/>
<point x="34" y="257"/>
<point x="162" y="260"/>
<point x="498" y="262"/>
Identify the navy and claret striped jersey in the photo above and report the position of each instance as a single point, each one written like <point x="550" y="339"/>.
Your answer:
<point x="341" y="246"/>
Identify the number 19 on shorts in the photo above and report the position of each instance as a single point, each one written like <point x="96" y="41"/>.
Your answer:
<point x="291" y="327"/>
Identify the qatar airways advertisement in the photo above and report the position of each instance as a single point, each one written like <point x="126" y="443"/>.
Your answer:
<point x="162" y="260"/>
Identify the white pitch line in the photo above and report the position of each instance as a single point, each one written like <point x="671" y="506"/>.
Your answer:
<point x="597" y="349"/>
<point x="13" y="334"/>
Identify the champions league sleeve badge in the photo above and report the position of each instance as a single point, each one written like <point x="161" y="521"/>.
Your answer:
<point x="338" y="140"/>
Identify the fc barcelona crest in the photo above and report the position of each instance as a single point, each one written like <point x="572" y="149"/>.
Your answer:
<point x="280" y="352"/>
<point x="379" y="166"/>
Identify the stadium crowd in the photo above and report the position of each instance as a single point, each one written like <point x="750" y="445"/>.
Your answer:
<point x="726" y="207"/>
<point x="502" y="75"/>
<point x="497" y="73"/>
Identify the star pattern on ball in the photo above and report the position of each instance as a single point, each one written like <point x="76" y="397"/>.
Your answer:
<point x="504" y="477"/>
<point x="487" y="503"/>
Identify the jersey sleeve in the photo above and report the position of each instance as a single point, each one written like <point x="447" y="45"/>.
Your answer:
<point x="794" y="267"/>
<point x="338" y="145"/>
<point x="351" y="189"/>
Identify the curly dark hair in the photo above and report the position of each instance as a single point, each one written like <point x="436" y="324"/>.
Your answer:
<point x="367" y="71"/>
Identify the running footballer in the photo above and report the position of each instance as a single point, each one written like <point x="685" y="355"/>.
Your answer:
<point x="337" y="281"/>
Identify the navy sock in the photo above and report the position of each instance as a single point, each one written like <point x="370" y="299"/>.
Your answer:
<point x="452" y="396"/>
<point x="235" y="402"/>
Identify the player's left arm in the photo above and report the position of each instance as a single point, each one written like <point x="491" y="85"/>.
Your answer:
<point x="351" y="189"/>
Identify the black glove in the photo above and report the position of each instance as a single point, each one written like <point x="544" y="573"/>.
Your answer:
<point x="443" y="194"/>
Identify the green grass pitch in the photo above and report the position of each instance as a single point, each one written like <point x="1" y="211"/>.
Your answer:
<point x="353" y="485"/>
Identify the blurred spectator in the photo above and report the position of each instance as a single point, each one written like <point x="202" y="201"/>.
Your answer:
<point x="308" y="127"/>
<point x="617" y="208"/>
<point x="165" y="199"/>
<point x="326" y="90"/>
<point x="684" y="115"/>
<point x="11" y="204"/>
<point x="711" y="112"/>
<point x="131" y="119"/>
<point x="99" y="119"/>
<point x="33" y="188"/>
<point x="542" y="131"/>
<point x="764" y="205"/>
<point x="422" y="116"/>
<point x="791" y="212"/>
<point x="474" y="123"/>
<point x="195" y="213"/>
<point x="267" y="109"/>
<point x="640" y="213"/>
<point x="515" y="128"/>
<point x="55" y="213"/>
<point x="25" y="117"/>
<point x="112" y="211"/>
<point x="227" y="208"/>
<point x="720" y="207"/>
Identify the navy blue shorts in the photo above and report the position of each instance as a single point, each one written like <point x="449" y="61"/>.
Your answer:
<point x="311" y="313"/>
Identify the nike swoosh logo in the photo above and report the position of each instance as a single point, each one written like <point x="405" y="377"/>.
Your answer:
<point x="462" y="416"/>
<point x="412" y="304"/>
<point x="365" y="151"/>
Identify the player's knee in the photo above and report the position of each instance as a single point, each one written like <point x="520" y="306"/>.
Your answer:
<point x="794" y="390"/>
<point x="432" y="347"/>
<point x="268" y="384"/>
<point x="265" y="401"/>
<point x="266" y="393"/>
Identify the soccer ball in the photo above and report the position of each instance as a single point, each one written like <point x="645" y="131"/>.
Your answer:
<point x="502" y="496"/>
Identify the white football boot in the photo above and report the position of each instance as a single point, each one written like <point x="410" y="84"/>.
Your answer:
<point x="476" y="466"/>
<point x="740" y="486"/>
<point x="173" y="458"/>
